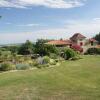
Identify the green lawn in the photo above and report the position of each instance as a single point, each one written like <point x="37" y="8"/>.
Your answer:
<point x="72" y="80"/>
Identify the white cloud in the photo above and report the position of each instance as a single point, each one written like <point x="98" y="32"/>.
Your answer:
<point x="91" y="26"/>
<point x="46" y="3"/>
<point x="97" y="19"/>
<point x="29" y="25"/>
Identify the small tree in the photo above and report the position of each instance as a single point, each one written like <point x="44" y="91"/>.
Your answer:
<point x="26" y="48"/>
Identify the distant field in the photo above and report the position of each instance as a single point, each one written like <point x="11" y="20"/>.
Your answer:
<point x="72" y="80"/>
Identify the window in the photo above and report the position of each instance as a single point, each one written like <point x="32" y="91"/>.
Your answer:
<point x="91" y="43"/>
<point x="81" y="43"/>
<point x="81" y="40"/>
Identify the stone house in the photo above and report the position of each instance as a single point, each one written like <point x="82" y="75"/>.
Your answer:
<point x="83" y="42"/>
<point x="78" y="42"/>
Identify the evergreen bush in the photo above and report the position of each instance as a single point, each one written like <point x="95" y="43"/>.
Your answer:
<point x="6" y="66"/>
<point x="93" y="51"/>
<point x="22" y="66"/>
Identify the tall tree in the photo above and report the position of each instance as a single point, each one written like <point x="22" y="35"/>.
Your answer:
<point x="97" y="37"/>
<point x="26" y="48"/>
<point x="43" y="49"/>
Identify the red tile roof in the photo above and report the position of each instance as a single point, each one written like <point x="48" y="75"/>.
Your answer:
<point x="92" y="40"/>
<point x="59" y="42"/>
<point x="77" y="36"/>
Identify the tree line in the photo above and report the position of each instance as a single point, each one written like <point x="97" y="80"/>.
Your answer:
<point x="29" y="48"/>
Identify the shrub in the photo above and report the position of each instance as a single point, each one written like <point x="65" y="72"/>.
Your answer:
<point x="56" y="60"/>
<point x="53" y="62"/>
<point x="69" y="53"/>
<point x="40" y="60"/>
<point x="98" y="50"/>
<point x="53" y="56"/>
<point x="43" y="60"/>
<point x="35" y="63"/>
<point x="43" y="66"/>
<point x="5" y="55"/>
<point x="46" y="60"/>
<point x="27" y="58"/>
<point x="92" y="51"/>
<point x="22" y="66"/>
<point x="6" y="67"/>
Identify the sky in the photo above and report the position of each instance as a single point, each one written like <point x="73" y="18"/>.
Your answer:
<point x="49" y="19"/>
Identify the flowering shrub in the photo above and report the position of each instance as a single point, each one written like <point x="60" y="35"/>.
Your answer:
<point x="77" y="48"/>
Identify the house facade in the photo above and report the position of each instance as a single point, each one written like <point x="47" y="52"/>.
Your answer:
<point x="77" y="42"/>
<point x="83" y="42"/>
<point x="79" y="39"/>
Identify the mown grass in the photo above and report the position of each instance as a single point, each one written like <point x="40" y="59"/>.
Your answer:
<point x="72" y="80"/>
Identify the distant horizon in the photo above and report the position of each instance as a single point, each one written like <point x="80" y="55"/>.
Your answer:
<point x="52" y="19"/>
<point x="34" y="40"/>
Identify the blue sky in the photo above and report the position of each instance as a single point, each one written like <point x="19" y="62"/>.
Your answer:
<point x="53" y="19"/>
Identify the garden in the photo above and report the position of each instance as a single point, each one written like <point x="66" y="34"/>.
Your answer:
<point x="30" y="56"/>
